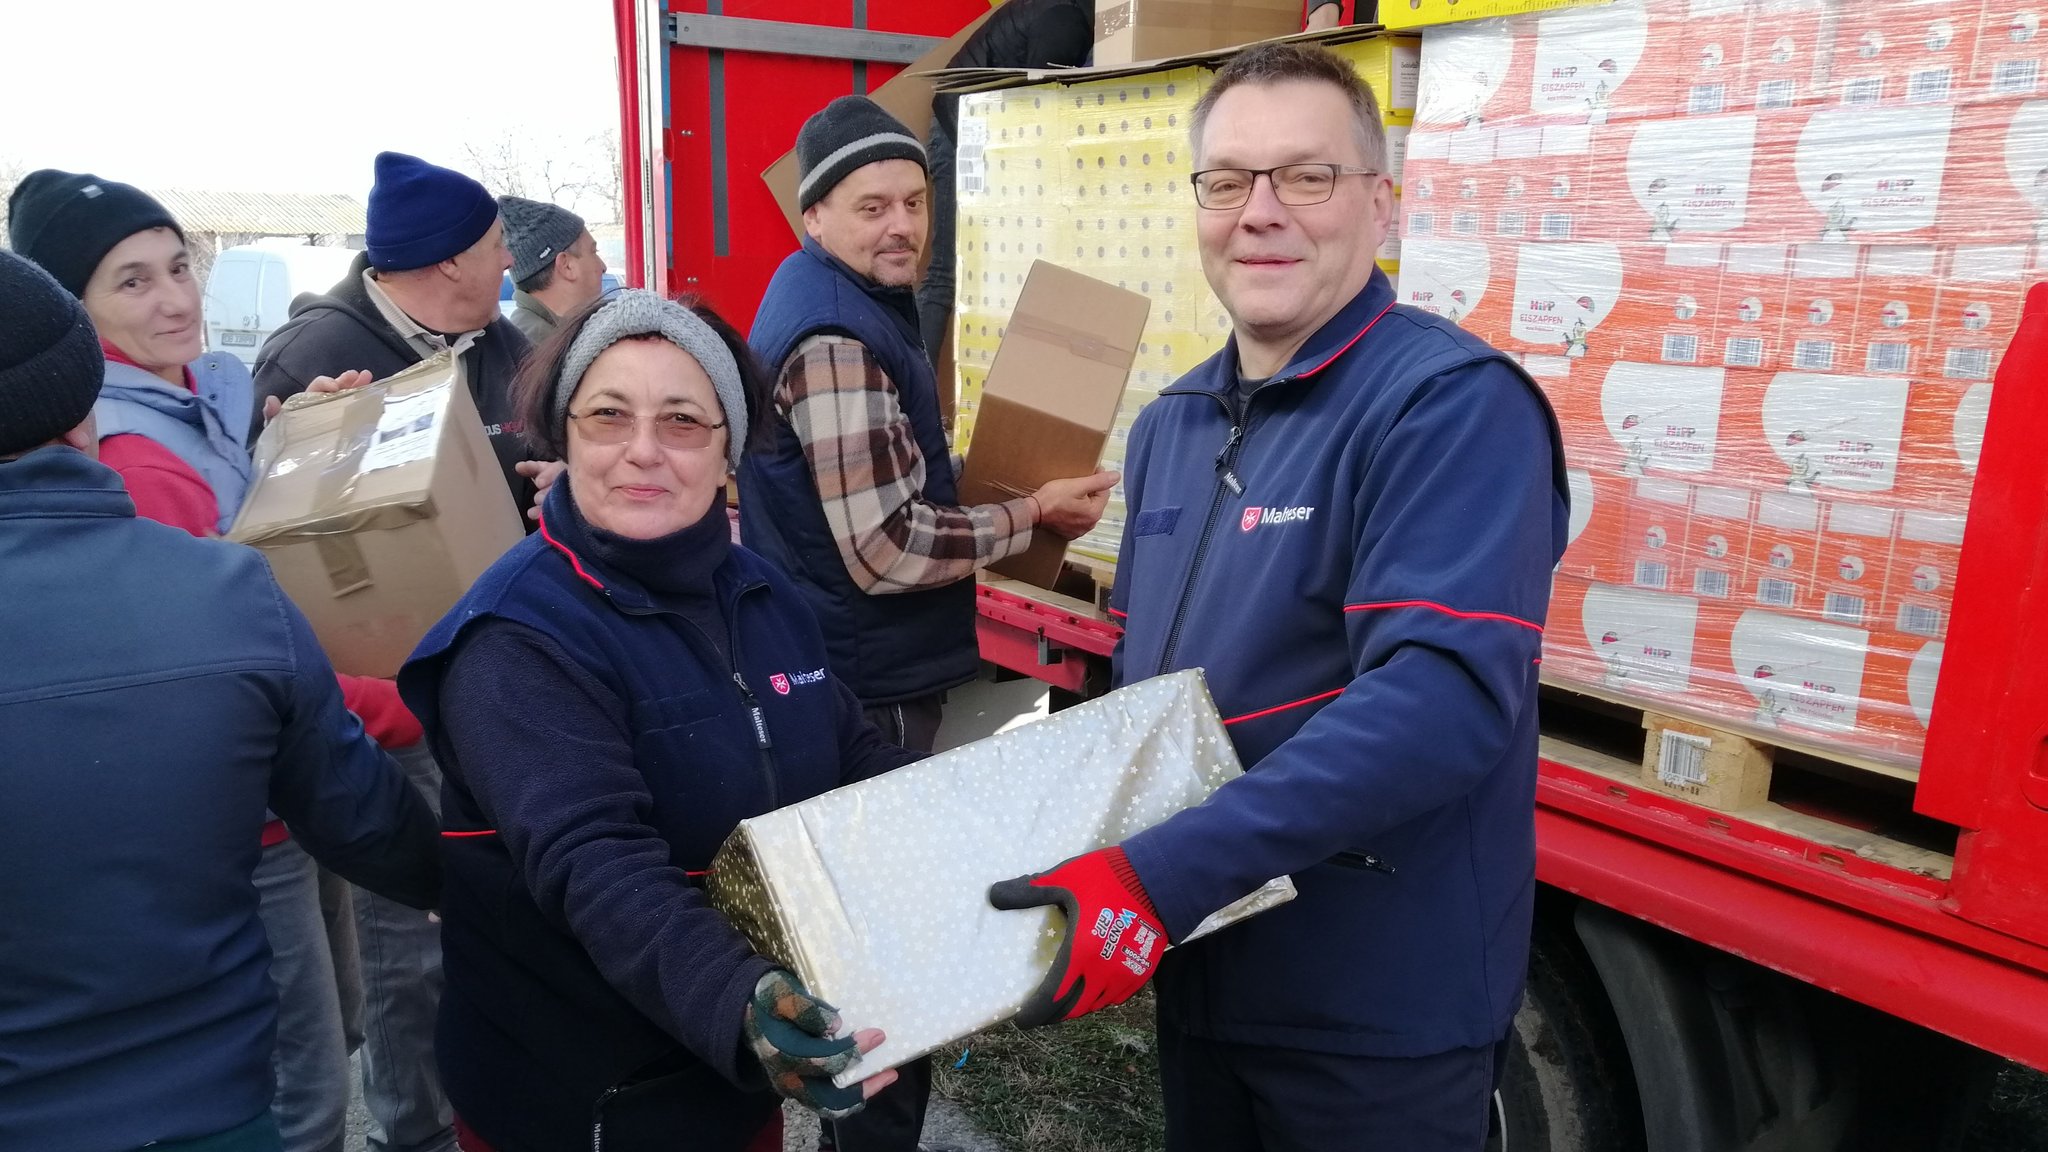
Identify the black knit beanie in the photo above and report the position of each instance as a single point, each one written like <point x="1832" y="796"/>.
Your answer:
<point x="68" y="221"/>
<point x="50" y="361"/>
<point x="851" y="132"/>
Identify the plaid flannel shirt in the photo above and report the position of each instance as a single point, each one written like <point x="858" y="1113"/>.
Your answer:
<point x="870" y="476"/>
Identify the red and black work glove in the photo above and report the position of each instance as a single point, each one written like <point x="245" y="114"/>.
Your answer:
<point x="1114" y="939"/>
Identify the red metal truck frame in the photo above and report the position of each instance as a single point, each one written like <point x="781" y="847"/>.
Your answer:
<point x="1967" y="956"/>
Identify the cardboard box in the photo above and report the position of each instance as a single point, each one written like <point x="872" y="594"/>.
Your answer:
<point x="1853" y="561"/>
<point x="1821" y="304"/>
<point x="1670" y="294"/>
<point x="1895" y="320"/>
<point x="1785" y="63"/>
<point x="1607" y="62"/>
<point x="1921" y="579"/>
<point x="1977" y="311"/>
<point x="876" y="893"/>
<point x="1643" y="642"/>
<point x="1899" y="682"/>
<point x="1454" y="279"/>
<point x="1687" y="179"/>
<point x="1392" y="67"/>
<point x="1778" y="571"/>
<point x="1474" y="75"/>
<point x="1563" y="293"/>
<point x="1872" y="175"/>
<point x="2011" y="60"/>
<point x="1655" y="533"/>
<point x="1133" y="30"/>
<point x="1944" y="436"/>
<point x="1716" y="541"/>
<point x="377" y="509"/>
<point x="1894" y="53"/>
<point x="1750" y="314"/>
<point x="1050" y="398"/>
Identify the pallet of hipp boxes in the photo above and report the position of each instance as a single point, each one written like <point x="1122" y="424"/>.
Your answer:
<point x="1763" y="255"/>
<point x="1091" y="171"/>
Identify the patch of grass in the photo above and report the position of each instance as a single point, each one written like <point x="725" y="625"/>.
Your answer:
<point x="1087" y="1086"/>
<point x="2016" y="1119"/>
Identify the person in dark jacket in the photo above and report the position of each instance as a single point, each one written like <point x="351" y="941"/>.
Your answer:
<point x="853" y="491"/>
<point x="610" y="700"/>
<point x="1019" y="34"/>
<point x="142" y="748"/>
<point x="1348" y="518"/>
<point x="170" y="418"/>
<point x="428" y="282"/>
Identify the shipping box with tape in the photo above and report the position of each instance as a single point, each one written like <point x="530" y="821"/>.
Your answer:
<point x="875" y="894"/>
<point x="1050" y="398"/>
<point x="377" y="508"/>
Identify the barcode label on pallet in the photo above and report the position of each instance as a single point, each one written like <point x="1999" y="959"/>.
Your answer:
<point x="1920" y="620"/>
<point x="1862" y="90"/>
<point x="1710" y="582"/>
<point x="1511" y="224"/>
<point x="1814" y="355"/>
<point x="1680" y="348"/>
<point x="1557" y="225"/>
<point x="1777" y="593"/>
<point x="1891" y="359"/>
<point x="1744" y="352"/>
<point x="1842" y="608"/>
<point x="1651" y="574"/>
<point x="1707" y="99"/>
<point x="1682" y="759"/>
<point x="1776" y="94"/>
<point x="1928" y="87"/>
<point x="1465" y="223"/>
<point x="2015" y="77"/>
<point x="1967" y="364"/>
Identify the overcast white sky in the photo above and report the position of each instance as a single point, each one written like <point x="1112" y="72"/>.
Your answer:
<point x="285" y="96"/>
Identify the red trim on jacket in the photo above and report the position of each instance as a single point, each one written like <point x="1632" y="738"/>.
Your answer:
<point x="165" y="489"/>
<point x="467" y="835"/>
<point x="1436" y="607"/>
<point x="1332" y="358"/>
<point x="1284" y="707"/>
<point x="557" y="545"/>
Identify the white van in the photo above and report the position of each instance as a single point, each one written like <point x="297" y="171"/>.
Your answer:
<point x="249" y="294"/>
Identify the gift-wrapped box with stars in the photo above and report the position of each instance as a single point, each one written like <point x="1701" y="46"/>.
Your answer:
<point x="876" y="894"/>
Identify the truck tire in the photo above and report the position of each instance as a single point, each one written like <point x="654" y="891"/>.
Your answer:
<point x="1565" y="1085"/>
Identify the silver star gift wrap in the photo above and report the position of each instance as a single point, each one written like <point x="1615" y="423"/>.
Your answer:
<point x="876" y="894"/>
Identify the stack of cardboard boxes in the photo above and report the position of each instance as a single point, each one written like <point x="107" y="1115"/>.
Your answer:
<point x="1763" y="256"/>
<point x="1093" y="174"/>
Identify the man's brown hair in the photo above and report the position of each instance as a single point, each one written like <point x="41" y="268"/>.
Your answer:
<point x="1282" y="63"/>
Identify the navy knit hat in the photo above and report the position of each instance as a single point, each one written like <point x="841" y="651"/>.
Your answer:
<point x="422" y="214"/>
<point x="68" y="221"/>
<point x="51" y="366"/>
<point x="851" y="132"/>
<point x="537" y="233"/>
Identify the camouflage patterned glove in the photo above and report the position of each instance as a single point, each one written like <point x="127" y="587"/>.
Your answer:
<point x="792" y="1033"/>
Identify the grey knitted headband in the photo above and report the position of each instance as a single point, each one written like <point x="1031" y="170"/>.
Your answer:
<point x="639" y="312"/>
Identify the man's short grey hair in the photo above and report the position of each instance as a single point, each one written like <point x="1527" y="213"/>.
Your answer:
<point x="1308" y="63"/>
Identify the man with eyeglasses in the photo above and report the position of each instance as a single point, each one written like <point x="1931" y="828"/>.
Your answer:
<point x="1348" y="518"/>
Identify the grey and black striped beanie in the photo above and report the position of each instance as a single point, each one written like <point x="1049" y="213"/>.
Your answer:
<point x="851" y="132"/>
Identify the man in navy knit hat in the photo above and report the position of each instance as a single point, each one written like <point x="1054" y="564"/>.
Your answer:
<point x="429" y="282"/>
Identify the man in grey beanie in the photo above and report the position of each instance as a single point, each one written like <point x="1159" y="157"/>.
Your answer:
<point x="556" y="271"/>
<point x="856" y="496"/>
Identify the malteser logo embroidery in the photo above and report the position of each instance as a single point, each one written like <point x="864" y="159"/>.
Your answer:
<point x="1256" y="516"/>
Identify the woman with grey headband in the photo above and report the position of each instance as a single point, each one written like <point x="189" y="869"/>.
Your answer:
<point x="609" y="701"/>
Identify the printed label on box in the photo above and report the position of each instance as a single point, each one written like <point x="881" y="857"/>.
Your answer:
<point x="1562" y="293"/>
<point x="1873" y="171"/>
<point x="1584" y="57"/>
<point x="1643" y="640"/>
<point x="1836" y="431"/>
<point x="1802" y="673"/>
<point x="1692" y="175"/>
<point x="1665" y="417"/>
